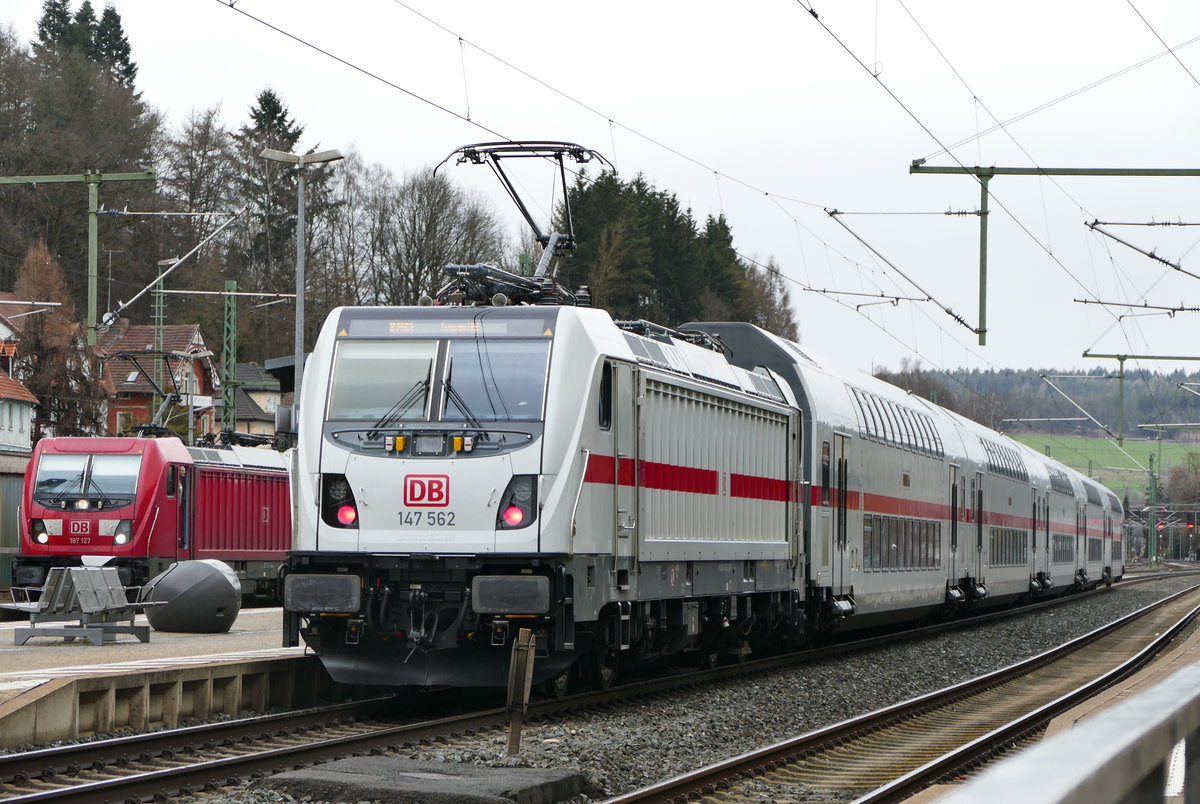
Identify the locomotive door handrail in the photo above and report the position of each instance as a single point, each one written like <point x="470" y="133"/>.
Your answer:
<point x="587" y="456"/>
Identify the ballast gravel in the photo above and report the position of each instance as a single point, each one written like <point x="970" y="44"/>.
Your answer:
<point x="636" y="745"/>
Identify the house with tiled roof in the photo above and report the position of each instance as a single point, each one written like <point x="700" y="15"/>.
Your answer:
<point x="133" y="366"/>
<point x="16" y="418"/>
<point x="257" y="396"/>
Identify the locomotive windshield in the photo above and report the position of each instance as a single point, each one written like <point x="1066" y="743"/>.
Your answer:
<point x="496" y="380"/>
<point x="374" y="380"/>
<point x="86" y="476"/>
<point x="453" y="380"/>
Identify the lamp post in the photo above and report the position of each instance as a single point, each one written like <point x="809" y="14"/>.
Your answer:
<point x="300" y="161"/>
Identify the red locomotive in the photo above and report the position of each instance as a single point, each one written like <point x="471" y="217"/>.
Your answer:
<point x="142" y="504"/>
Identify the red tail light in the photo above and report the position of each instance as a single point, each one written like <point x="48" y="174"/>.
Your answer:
<point x="338" y="506"/>
<point x="518" y="504"/>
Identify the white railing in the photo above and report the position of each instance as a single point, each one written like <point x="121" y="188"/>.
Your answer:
<point x="1121" y="755"/>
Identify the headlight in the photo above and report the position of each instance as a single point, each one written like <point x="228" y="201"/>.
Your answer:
<point x="38" y="528"/>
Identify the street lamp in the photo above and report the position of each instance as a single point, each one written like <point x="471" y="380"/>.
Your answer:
<point x="300" y="161"/>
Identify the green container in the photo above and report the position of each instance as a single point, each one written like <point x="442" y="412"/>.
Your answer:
<point x="10" y="504"/>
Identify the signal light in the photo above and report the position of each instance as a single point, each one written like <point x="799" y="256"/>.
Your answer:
<point x="1161" y="526"/>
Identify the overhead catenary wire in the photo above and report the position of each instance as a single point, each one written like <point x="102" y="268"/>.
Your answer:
<point x="774" y="197"/>
<point x="833" y="213"/>
<point x="1170" y="50"/>
<point x="1094" y="226"/>
<point x="1045" y="247"/>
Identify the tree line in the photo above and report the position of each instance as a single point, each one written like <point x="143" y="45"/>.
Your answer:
<point x="69" y="102"/>
<point x="1012" y="400"/>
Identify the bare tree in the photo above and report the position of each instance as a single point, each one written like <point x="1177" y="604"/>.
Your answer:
<point x="424" y="224"/>
<point x="51" y="358"/>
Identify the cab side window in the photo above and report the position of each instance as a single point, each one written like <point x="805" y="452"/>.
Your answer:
<point x="606" y="397"/>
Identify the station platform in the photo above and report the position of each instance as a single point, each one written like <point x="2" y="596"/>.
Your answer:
<point x="53" y="689"/>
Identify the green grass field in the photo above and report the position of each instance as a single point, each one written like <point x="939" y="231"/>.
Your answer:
<point x="1106" y="463"/>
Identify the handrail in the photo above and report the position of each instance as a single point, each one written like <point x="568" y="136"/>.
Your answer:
<point x="587" y="455"/>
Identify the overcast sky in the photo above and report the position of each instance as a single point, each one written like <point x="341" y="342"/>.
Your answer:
<point x="772" y="116"/>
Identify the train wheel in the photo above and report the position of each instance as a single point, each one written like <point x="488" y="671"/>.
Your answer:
<point x="604" y="669"/>
<point x="557" y="686"/>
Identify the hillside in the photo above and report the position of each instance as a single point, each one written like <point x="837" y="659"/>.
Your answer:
<point x="1028" y="408"/>
<point x="1011" y="400"/>
<point x="1102" y="459"/>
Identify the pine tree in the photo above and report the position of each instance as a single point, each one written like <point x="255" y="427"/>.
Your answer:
<point x="110" y="48"/>
<point x="263" y="254"/>
<point x="641" y="254"/>
<point x="63" y="114"/>
<point x="55" y="24"/>
<point x="102" y="42"/>
<point x="82" y="35"/>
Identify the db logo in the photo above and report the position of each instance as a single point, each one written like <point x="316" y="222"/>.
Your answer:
<point x="81" y="528"/>
<point x="430" y="491"/>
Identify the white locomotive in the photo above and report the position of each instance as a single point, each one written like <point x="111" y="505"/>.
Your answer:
<point x="630" y="492"/>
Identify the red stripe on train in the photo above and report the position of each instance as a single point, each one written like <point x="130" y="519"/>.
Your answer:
<point x="605" y="469"/>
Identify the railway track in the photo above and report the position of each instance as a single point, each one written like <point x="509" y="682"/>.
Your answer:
<point x="213" y="756"/>
<point x="888" y="755"/>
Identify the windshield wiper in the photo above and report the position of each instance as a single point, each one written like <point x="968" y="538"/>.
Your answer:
<point x="93" y="486"/>
<point x="454" y="396"/>
<point x="460" y="403"/>
<point x="394" y="412"/>
<point x="68" y="489"/>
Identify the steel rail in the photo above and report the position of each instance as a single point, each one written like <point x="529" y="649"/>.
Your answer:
<point x="67" y="760"/>
<point x="63" y="759"/>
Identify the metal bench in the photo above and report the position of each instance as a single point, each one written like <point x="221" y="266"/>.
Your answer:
<point x="86" y="603"/>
